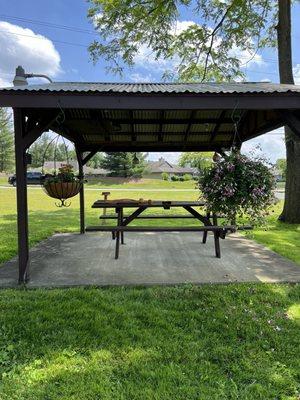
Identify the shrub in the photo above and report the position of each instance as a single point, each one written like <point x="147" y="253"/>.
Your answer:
<point x="187" y="177"/>
<point x="237" y="185"/>
<point x="165" y="176"/>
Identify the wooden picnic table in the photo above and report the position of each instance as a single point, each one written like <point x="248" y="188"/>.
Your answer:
<point x="143" y="205"/>
<point x="208" y="222"/>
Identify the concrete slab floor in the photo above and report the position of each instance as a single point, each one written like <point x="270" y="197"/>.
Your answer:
<point x="147" y="259"/>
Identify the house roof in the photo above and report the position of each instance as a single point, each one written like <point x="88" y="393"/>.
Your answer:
<point x="51" y="165"/>
<point x="155" y="116"/>
<point x="162" y="165"/>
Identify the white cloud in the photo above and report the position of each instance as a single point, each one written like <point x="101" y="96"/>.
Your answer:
<point x="145" y="58"/>
<point x="272" y="145"/>
<point x="181" y="26"/>
<point x="266" y="80"/>
<point x="172" y="157"/>
<point x="21" y="46"/>
<point x="296" y="71"/>
<point x="247" y="58"/>
<point x="139" y="77"/>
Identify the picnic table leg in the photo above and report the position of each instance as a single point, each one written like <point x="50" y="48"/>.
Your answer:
<point x="217" y="244"/>
<point x="217" y="237"/>
<point x="205" y="232"/>
<point x="116" y="235"/>
<point x="121" y="223"/>
<point x="117" y="244"/>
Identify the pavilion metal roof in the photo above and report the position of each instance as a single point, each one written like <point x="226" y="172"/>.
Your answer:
<point x="155" y="116"/>
<point x="196" y="88"/>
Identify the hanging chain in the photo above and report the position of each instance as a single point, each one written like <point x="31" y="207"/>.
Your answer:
<point x="236" y="119"/>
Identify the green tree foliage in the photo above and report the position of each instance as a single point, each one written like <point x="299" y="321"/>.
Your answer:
<point x="281" y="166"/>
<point x="6" y="142"/>
<point x="124" y="164"/>
<point x="138" y="162"/>
<point x="96" y="161"/>
<point x="200" y="160"/>
<point x="210" y="50"/>
<point x="47" y="149"/>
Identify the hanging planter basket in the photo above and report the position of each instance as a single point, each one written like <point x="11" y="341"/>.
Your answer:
<point x="237" y="185"/>
<point x="63" y="186"/>
<point x="62" y="190"/>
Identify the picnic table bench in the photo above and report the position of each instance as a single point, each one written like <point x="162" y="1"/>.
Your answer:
<point x="219" y="231"/>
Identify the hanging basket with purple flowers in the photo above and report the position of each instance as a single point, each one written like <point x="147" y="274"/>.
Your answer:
<point x="236" y="185"/>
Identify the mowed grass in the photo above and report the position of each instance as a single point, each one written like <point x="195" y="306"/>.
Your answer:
<point x="196" y="343"/>
<point x="236" y="341"/>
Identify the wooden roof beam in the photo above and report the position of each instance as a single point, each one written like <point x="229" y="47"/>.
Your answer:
<point x="217" y="127"/>
<point x="161" y="122"/>
<point x="190" y="123"/>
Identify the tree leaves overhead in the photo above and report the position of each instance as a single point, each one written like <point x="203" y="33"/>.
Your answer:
<point x="209" y="48"/>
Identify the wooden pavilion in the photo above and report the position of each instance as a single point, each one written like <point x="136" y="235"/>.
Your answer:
<point x="141" y="117"/>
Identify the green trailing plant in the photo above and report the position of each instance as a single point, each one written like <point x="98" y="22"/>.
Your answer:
<point x="65" y="174"/>
<point x="237" y="185"/>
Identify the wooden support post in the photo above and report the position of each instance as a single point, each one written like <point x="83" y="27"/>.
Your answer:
<point x="81" y="193"/>
<point x="22" y="208"/>
<point x="292" y="120"/>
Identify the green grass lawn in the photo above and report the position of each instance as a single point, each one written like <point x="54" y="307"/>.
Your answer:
<point x="208" y="342"/>
<point x="236" y="341"/>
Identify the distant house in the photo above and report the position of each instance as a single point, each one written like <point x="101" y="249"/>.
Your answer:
<point x="154" y="169"/>
<point x="49" y="166"/>
<point x="277" y="174"/>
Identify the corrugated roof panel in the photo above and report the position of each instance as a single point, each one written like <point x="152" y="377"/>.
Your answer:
<point x="146" y="138"/>
<point x="200" y="88"/>
<point x="199" y="138"/>
<point x="177" y="114"/>
<point x="115" y="137"/>
<point x="115" y="114"/>
<point x="226" y="128"/>
<point x="146" y="128"/>
<point x="204" y="128"/>
<point x="173" y="138"/>
<point x="202" y="114"/>
<point x="174" y="128"/>
<point x="223" y="138"/>
<point x="146" y="114"/>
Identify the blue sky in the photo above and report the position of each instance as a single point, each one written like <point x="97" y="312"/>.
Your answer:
<point x="62" y="53"/>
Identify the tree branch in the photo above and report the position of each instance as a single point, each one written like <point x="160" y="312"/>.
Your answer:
<point x="212" y="35"/>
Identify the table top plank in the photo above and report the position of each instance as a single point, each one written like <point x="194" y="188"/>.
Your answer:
<point x="148" y="204"/>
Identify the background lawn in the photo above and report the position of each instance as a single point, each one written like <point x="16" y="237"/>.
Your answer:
<point x="196" y="343"/>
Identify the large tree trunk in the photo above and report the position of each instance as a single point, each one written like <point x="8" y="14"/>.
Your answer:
<point x="291" y="209"/>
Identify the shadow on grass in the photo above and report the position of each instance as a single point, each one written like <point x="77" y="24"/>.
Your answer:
<point x="209" y="342"/>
